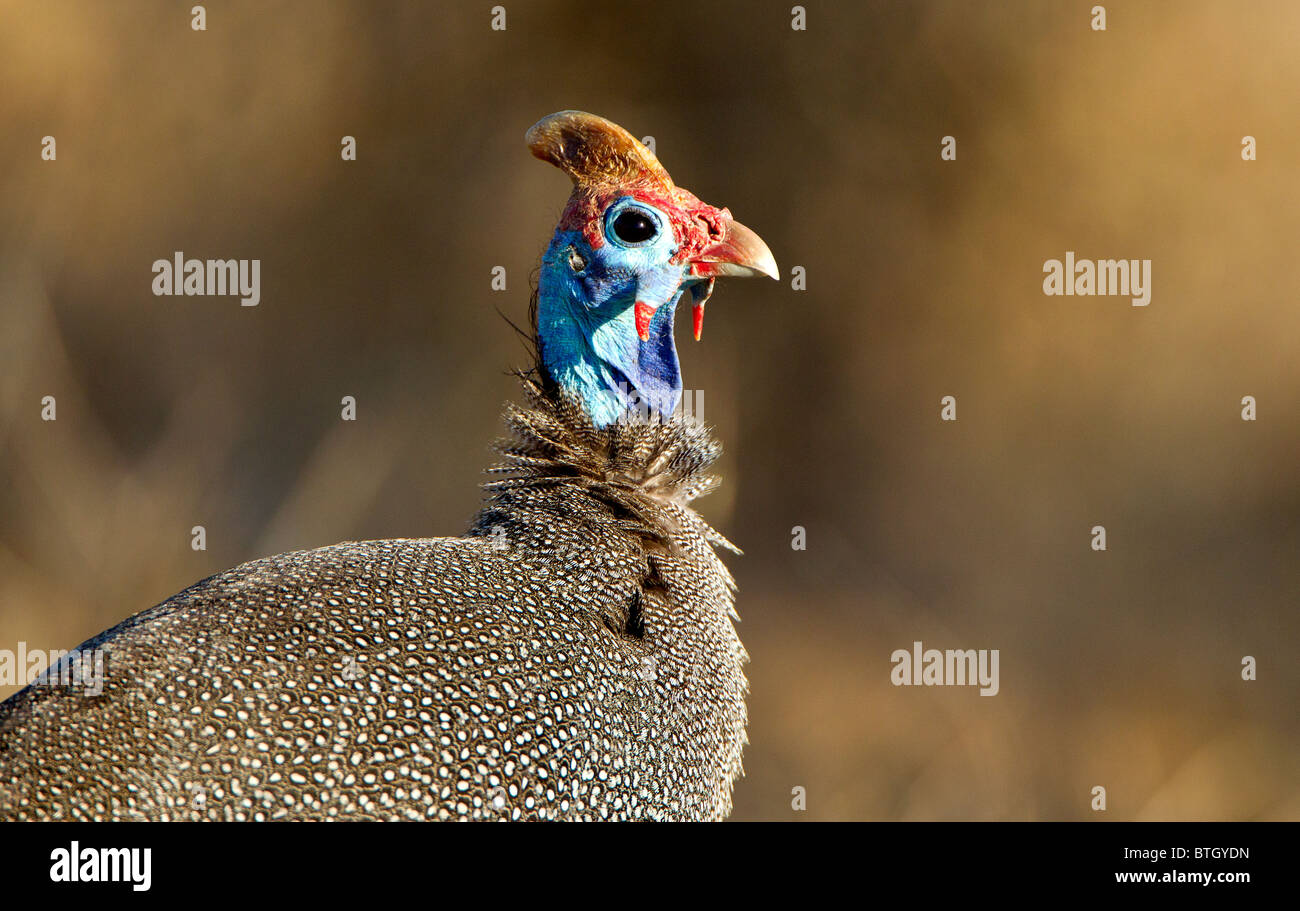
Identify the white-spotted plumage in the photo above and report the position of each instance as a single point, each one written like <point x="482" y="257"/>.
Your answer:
<point x="572" y="657"/>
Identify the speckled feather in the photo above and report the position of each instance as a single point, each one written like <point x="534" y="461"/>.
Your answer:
<point x="572" y="657"/>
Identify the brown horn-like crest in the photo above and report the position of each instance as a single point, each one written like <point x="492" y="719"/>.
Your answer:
<point x="594" y="151"/>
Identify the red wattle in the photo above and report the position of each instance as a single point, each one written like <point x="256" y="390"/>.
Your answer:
<point x="699" y="320"/>
<point x="643" y="313"/>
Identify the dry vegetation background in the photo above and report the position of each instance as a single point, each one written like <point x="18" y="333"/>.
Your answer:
<point x="924" y="279"/>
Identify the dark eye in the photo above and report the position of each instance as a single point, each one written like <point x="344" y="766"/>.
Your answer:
<point x="634" y="227"/>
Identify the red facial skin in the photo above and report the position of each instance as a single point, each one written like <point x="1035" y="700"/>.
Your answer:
<point x="696" y="224"/>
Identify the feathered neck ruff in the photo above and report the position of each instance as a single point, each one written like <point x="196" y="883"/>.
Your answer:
<point x="648" y="468"/>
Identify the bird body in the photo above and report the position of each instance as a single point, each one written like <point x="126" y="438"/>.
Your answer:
<point x="573" y="656"/>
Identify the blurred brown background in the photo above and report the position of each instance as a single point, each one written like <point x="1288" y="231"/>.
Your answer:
<point x="1119" y="669"/>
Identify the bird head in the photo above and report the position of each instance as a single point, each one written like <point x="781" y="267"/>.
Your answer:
<point x="629" y="245"/>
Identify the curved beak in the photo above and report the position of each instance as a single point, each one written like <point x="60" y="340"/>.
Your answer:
<point x="742" y="253"/>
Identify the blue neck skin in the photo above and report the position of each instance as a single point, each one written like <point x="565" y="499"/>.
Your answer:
<point x="587" y="326"/>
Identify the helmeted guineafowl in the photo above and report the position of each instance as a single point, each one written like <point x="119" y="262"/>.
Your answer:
<point x="572" y="657"/>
